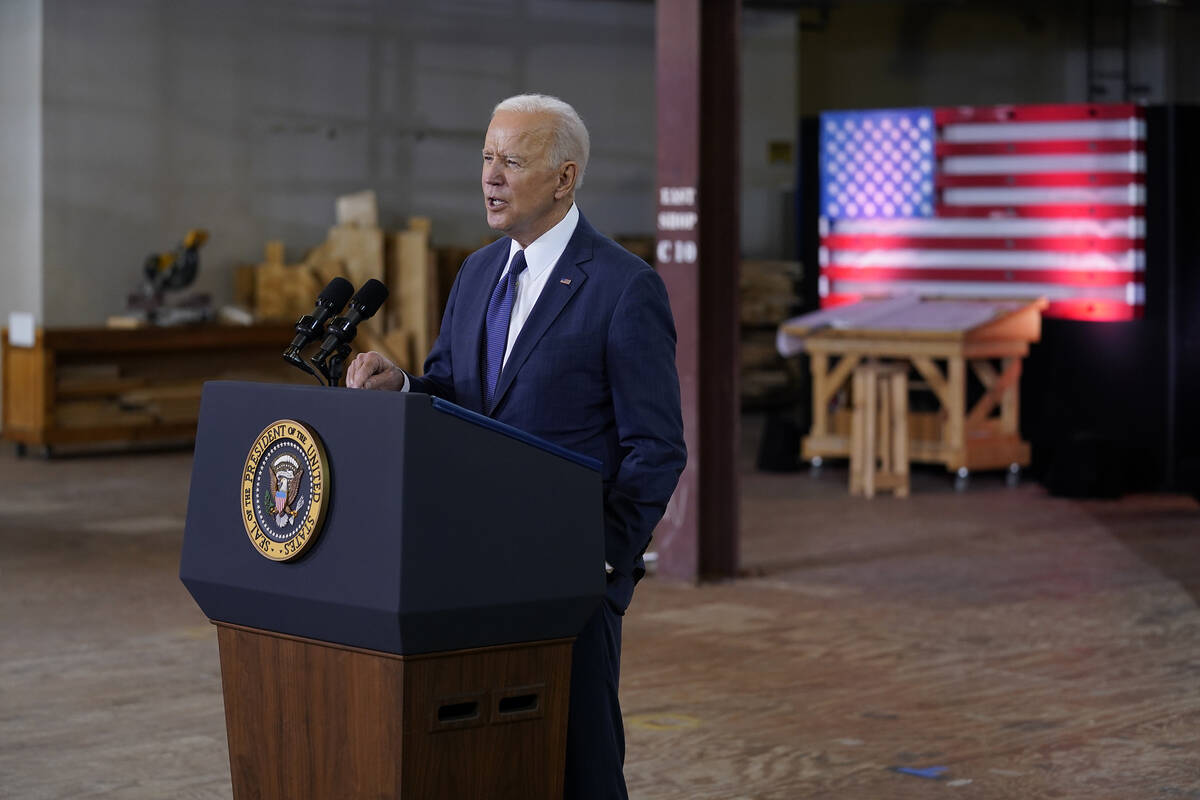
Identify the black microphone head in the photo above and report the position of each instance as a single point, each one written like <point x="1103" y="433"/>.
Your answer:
<point x="369" y="298"/>
<point x="336" y="293"/>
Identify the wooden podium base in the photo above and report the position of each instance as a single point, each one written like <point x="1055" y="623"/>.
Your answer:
<point x="309" y="719"/>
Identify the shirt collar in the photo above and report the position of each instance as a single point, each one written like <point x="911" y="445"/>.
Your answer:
<point x="543" y="252"/>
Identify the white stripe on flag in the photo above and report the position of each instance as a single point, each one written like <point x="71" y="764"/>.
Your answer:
<point x="1130" y="260"/>
<point x="1134" y="195"/>
<point x="1131" y="128"/>
<point x="987" y="227"/>
<point x="1030" y="165"/>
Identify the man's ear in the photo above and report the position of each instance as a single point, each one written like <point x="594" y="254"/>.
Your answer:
<point x="566" y="180"/>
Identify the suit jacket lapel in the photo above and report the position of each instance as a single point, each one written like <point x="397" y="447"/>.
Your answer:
<point x="476" y="313"/>
<point x="554" y="298"/>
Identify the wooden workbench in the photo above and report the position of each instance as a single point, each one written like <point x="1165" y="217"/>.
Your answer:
<point x="941" y="340"/>
<point x="84" y="385"/>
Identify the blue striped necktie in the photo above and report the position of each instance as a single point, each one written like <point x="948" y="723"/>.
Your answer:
<point x="499" y="312"/>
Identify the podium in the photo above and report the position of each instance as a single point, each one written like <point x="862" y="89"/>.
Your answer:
<point x="420" y="645"/>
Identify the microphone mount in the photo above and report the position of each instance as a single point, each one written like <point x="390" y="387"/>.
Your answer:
<point x="332" y="355"/>
<point x="312" y="326"/>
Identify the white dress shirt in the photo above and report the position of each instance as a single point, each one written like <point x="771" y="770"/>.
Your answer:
<point x="540" y="257"/>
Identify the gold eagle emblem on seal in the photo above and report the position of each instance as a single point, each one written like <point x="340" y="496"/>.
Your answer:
<point x="285" y="490"/>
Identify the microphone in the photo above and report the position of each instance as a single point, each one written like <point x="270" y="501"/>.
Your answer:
<point x="342" y="330"/>
<point x="329" y="302"/>
<point x="311" y="326"/>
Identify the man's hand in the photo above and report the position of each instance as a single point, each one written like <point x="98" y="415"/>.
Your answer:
<point x="373" y="371"/>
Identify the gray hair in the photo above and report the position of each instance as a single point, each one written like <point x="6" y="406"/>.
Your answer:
<point x="571" y="141"/>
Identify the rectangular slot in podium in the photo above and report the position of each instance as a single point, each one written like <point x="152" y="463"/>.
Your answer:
<point x="456" y="713"/>
<point x="518" y="704"/>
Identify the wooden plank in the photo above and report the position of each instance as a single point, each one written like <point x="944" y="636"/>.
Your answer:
<point x="414" y="279"/>
<point x="997" y="453"/>
<point x="68" y="388"/>
<point x="956" y="396"/>
<point x="449" y="261"/>
<point x="881" y="348"/>
<point x="933" y="376"/>
<point x="983" y="371"/>
<point x="360" y="210"/>
<point x="827" y="446"/>
<point x="98" y="414"/>
<point x="998" y="387"/>
<point x="273" y="253"/>
<point x="858" y="433"/>
<point x="361" y="251"/>
<point x="995" y="349"/>
<point x="1024" y="325"/>
<point x="839" y="375"/>
<point x="244" y="283"/>
<point x="1010" y="406"/>
<point x="869" y="420"/>
<point x="27" y="387"/>
<point x="819" y="369"/>
<point x="900" y="435"/>
<point x="153" y="340"/>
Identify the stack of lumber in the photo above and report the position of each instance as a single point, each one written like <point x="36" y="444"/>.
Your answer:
<point x="768" y="297"/>
<point x="768" y="291"/>
<point x="357" y="249"/>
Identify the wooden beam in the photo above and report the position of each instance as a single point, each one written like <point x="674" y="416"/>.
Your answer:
<point x="933" y="376"/>
<point x="998" y="386"/>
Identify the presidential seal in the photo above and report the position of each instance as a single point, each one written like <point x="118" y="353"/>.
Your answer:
<point x="285" y="490"/>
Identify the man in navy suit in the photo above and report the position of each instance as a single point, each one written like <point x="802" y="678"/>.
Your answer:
<point x="557" y="330"/>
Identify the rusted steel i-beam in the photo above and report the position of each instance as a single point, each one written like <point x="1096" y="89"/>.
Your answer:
<point x="697" y="254"/>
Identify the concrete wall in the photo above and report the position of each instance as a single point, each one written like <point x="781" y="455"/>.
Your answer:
<point x="888" y="54"/>
<point x="768" y="115"/>
<point x="20" y="157"/>
<point x="250" y="118"/>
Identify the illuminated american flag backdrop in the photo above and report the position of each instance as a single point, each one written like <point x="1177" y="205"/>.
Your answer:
<point x="995" y="201"/>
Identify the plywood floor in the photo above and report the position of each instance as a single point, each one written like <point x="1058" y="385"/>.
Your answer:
<point x="998" y="643"/>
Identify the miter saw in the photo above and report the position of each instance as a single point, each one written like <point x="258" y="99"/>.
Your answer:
<point x="170" y="272"/>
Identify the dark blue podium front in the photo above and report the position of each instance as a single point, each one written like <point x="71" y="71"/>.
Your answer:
<point x="445" y="530"/>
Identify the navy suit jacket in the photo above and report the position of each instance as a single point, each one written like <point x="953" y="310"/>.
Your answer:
<point x="593" y="370"/>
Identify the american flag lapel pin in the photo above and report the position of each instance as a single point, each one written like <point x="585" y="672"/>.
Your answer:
<point x="565" y="281"/>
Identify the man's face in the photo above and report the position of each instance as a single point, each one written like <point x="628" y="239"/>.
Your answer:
<point x="519" y="183"/>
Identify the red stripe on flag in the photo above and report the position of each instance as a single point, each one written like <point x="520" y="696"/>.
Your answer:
<point x="1038" y="113"/>
<point x="1059" y="277"/>
<point x="1043" y="212"/>
<point x="1062" y="244"/>
<point x="1093" y="310"/>
<point x="1043" y="179"/>
<point x="835" y="300"/>
<point x="1083" y="147"/>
